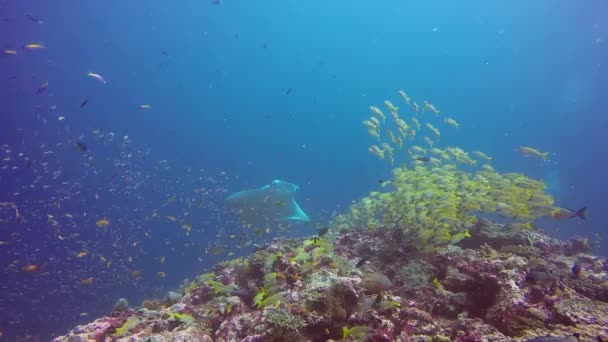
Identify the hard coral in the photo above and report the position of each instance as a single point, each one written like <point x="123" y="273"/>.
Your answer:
<point x="479" y="293"/>
<point x="283" y="319"/>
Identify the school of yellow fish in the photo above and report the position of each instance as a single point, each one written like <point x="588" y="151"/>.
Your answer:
<point x="437" y="193"/>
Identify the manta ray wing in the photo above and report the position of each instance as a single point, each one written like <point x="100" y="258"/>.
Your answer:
<point x="273" y="203"/>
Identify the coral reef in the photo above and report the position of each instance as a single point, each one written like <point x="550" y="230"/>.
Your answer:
<point x="484" y="288"/>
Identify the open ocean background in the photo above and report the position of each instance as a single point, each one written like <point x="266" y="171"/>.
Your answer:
<point x="246" y="92"/>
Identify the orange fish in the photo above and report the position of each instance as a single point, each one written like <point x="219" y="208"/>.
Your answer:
<point x="33" y="46"/>
<point x="87" y="281"/>
<point x="102" y="223"/>
<point x="31" y="268"/>
<point x="81" y="254"/>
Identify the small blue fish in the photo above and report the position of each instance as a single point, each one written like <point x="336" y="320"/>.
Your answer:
<point x="42" y="88"/>
<point x="576" y="269"/>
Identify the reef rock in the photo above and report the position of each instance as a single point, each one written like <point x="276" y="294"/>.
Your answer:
<point x="362" y="284"/>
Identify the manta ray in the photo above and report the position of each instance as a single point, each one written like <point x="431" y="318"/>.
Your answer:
<point x="273" y="203"/>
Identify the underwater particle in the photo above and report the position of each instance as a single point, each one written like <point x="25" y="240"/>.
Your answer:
<point x="144" y="107"/>
<point x="288" y="91"/>
<point x="527" y="151"/>
<point x="164" y="52"/>
<point x="9" y="52"/>
<point x="564" y="213"/>
<point x="84" y="103"/>
<point x="376" y="282"/>
<point x="97" y="77"/>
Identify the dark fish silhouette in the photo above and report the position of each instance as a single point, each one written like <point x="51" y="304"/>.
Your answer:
<point x="565" y="213"/>
<point x="33" y="19"/>
<point x="361" y="262"/>
<point x="576" y="269"/>
<point x="84" y="103"/>
<point x="80" y="146"/>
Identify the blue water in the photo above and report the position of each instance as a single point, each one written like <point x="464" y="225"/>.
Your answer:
<point x="218" y="78"/>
